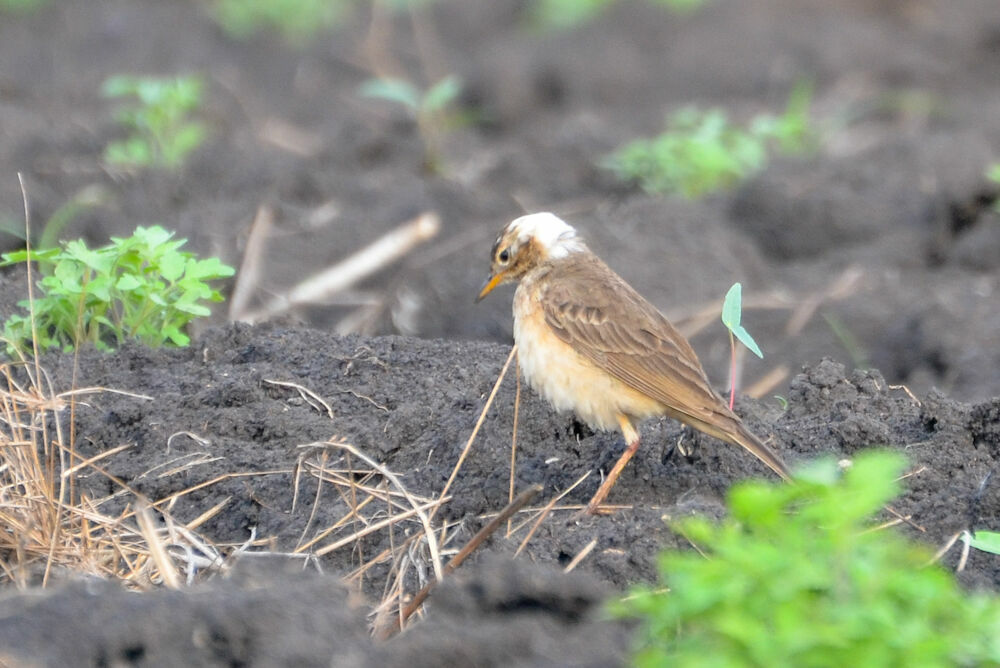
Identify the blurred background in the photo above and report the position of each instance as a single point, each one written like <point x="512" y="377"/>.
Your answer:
<point x="355" y="159"/>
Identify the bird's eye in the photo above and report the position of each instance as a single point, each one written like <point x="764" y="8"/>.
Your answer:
<point x="504" y="256"/>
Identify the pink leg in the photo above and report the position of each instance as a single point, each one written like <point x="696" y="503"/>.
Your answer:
<point x="632" y="441"/>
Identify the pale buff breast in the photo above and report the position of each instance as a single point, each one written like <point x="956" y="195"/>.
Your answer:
<point x="566" y="379"/>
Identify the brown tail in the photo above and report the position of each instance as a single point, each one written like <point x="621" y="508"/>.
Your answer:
<point x="733" y="431"/>
<point x="763" y="452"/>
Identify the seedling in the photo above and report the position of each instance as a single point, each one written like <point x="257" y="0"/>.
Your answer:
<point x="431" y="109"/>
<point x="798" y="576"/>
<point x="702" y="152"/>
<point x="140" y="287"/>
<point x="732" y="314"/>
<point x="162" y="131"/>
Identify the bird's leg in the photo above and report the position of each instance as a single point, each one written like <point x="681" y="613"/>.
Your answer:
<point x="632" y="444"/>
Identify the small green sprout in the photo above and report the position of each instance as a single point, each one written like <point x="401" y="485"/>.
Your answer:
<point x="140" y="287"/>
<point x="162" y="132"/>
<point x="732" y="314"/>
<point x="797" y="575"/>
<point x="702" y="152"/>
<point x="431" y="109"/>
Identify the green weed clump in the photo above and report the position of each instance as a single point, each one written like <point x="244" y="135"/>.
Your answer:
<point x="797" y="576"/>
<point x="162" y="132"/>
<point x="140" y="287"/>
<point x="702" y="152"/>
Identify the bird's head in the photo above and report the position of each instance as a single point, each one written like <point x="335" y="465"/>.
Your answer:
<point x="527" y="242"/>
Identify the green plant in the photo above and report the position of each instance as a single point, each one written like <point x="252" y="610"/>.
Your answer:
<point x="732" y="314"/>
<point x="701" y="151"/>
<point x="791" y="131"/>
<point x="432" y="109"/>
<point x="797" y="576"/>
<point x="564" y="14"/>
<point x="139" y="287"/>
<point x="162" y="131"/>
<point x="985" y="541"/>
<point x="297" y="20"/>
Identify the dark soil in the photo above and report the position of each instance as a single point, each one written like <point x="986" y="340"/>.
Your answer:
<point x="894" y="200"/>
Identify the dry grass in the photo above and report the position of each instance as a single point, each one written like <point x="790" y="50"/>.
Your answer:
<point x="50" y="524"/>
<point x="378" y="506"/>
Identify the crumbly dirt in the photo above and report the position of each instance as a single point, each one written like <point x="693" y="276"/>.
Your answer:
<point x="879" y="251"/>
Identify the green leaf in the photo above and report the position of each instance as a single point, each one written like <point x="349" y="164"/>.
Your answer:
<point x="178" y="337"/>
<point x="986" y="541"/>
<point x="208" y="268"/>
<point x="193" y="309"/>
<point x="172" y="266"/>
<point x="392" y="90"/>
<point x="732" y="313"/>
<point x="744" y="336"/>
<point x="441" y="94"/>
<point x="732" y="306"/>
<point x="128" y="282"/>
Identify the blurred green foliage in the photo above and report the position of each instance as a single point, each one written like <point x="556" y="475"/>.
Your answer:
<point x="162" y="132"/>
<point x="565" y="14"/>
<point x="298" y="21"/>
<point x="798" y="576"/>
<point x="702" y="152"/>
<point x="433" y="110"/>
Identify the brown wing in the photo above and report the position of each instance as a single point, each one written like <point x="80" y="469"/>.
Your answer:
<point x="628" y="337"/>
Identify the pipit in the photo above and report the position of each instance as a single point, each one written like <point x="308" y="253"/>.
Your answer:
<point x="588" y="342"/>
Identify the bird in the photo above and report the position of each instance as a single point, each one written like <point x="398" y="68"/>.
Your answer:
<point x="588" y="342"/>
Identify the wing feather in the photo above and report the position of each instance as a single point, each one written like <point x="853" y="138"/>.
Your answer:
<point x="628" y="337"/>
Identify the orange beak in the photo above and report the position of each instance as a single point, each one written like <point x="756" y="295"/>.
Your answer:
<point x="489" y="284"/>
